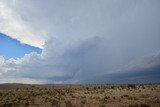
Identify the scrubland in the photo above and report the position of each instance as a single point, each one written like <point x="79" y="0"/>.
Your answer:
<point x="105" y="95"/>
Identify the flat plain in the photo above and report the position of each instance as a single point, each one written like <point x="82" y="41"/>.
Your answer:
<point x="97" y="95"/>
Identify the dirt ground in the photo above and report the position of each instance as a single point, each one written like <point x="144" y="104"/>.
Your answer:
<point x="20" y="95"/>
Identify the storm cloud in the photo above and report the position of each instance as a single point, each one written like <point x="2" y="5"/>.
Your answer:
<point x="90" y="41"/>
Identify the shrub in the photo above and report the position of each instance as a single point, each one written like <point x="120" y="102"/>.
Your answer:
<point x="144" y="105"/>
<point x="133" y="105"/>
<point x="131" y="86"/>
<point x="112" y="87"/>
<point x="102" y="105"/>
<point x="54" y="102"/>
<point x="83" y="101"/>
<point x="114" y="97"/>
<point x="68" y="103"/>
<point x="87" y="88"/>
<point x="124" y="96"/>
<point x="27" y="103"/>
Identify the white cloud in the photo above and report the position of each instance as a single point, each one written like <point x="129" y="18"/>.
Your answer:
<point x="1" y="60"/>
<point x="21" y="80"/>
<point x="14" y="26"/>
<point x="1" y="64"/>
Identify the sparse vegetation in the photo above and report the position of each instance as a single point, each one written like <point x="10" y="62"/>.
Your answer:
<point x="130" y="95"/>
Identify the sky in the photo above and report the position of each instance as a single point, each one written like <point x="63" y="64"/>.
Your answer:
<point x="11" y="48"/>
<point x="79" y="41"/>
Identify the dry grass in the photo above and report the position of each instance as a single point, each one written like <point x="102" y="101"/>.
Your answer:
<point x="18" y="95"/>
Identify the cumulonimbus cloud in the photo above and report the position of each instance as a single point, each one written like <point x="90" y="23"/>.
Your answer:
<point x="86" y="40"/>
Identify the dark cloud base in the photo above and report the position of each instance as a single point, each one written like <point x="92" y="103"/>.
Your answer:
<point x="151" y="75"/>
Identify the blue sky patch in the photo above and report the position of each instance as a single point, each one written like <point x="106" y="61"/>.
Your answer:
<point x="12" y="48"/>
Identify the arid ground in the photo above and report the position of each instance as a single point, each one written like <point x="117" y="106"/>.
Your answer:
<point x="21" y="95"/>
